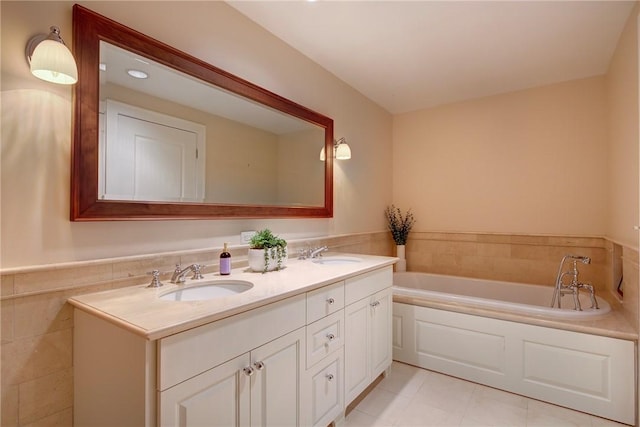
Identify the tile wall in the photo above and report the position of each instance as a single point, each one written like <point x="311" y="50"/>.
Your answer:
<point x="630" y="283"/>
<point x="513" y="258"/>
<point x="529" y="259"/>
<point x="37" y="323"/>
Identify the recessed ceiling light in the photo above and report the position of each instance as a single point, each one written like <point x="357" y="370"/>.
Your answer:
<point x="137" y="74"/>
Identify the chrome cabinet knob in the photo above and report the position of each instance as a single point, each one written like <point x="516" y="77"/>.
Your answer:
<point x="331" y="337"/>
<point x="329" y="377"/>
<point x="375" y="304"/>
<point x="248" y="371"/>
<point x="259" y="366"/>
<point x="330" y="301"/>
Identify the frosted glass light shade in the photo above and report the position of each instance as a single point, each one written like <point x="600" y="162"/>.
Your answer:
<point x="343" y="151"/>
<point x="52" y="61"/>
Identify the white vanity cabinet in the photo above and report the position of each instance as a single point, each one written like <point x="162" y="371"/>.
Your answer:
<point x="368" y="349"/>
<point x="260" y="388"/>
<point x="295" y="362"/>
<point x="265" y="387"/>
<point x="242" y="370"/>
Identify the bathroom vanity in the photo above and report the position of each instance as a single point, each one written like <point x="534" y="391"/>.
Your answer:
<point x="294" y="349"/>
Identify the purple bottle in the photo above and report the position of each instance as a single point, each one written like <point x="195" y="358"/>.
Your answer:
<point x="225" y="261"/>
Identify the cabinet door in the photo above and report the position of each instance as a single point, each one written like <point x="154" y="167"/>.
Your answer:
<point x="380" y="330"/>
<point x="326" y="388"/>
<point x="217" y="397"/>
<point x="276" y="382"/>
<point x="356" y="345"/>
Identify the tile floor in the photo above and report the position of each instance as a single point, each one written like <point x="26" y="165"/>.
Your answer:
<point x="411" y="396"/>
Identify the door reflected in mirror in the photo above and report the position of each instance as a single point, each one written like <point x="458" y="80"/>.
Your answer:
<point x="168" y="137"/>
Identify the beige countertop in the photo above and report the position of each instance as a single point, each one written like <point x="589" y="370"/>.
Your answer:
<point x="140" y="310"/>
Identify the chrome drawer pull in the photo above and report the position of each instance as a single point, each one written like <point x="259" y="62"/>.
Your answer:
<point x="329" y="377"/>
<point x="259" y="366"/>
<point x="248" y="371"/>
<point x="330" y="301"/>
<point x="375" y="304"/>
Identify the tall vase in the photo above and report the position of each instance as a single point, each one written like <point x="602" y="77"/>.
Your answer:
<point x="401" y="265"/>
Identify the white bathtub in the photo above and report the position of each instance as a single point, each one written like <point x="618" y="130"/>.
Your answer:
<point x="495" y="295"/>
<point x="589" y="373"/>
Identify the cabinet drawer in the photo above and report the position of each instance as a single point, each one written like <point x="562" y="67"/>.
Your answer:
<point x="324" y="336"/>
<point x="327" y="391"/>
<point x="366" y="284"/>
<point x="324" y="301"/>
<point x="185" y="355"/>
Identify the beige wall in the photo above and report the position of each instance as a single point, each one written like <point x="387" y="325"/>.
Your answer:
<point x="532" y="161"/>
<point x="301" y="182"/>
<point x="622" y="104"/>
<point x="36" y="135"/>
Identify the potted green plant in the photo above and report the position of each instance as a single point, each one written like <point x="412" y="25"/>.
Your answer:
<point x="267" y="252"/>
<point x="400" y="225"/>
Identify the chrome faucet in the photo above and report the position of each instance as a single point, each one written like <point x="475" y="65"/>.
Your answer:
<point x="179" y="275"/>
<point x="317" y="252"/>
<point x="573" y="288"/>
<point x="311" y="253"/>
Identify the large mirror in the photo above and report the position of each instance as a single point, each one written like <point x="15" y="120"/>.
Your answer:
<point x="159" y="134"/>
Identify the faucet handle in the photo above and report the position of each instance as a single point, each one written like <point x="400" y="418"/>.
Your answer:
<point x="155" y="280"/>
<point x="197" y="273"/>
<point x="303" y="253"/>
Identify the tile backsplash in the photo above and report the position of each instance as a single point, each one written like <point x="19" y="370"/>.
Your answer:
<point x="512" y="258"/>
<point x="37" y="323"/>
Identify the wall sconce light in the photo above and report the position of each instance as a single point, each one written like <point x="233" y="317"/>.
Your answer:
<point x="341" y="150"/>
<point x="50" y="59"/>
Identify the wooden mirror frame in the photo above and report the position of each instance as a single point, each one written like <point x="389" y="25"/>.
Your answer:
<point x="89" y="28"/>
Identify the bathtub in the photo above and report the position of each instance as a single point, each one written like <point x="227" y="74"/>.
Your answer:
<point x="495" y="295"/>
<point x="589" y="373"/>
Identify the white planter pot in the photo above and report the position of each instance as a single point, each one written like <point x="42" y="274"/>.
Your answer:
<point x="401" y="265"/>
<point x="257" y="261"/>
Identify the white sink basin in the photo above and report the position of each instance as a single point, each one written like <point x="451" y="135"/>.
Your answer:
<point x="336" y="260"/>
<point x="210" y="290"/>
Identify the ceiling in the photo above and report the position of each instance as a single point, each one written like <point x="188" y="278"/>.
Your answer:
<point x="410" y="55"/>
<point x="168" y="84"/>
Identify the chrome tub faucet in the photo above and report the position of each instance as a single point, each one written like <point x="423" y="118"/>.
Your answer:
<point x="574" y="286"/>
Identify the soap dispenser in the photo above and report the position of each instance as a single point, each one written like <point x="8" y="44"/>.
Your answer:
<point x="225" y="261"/>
